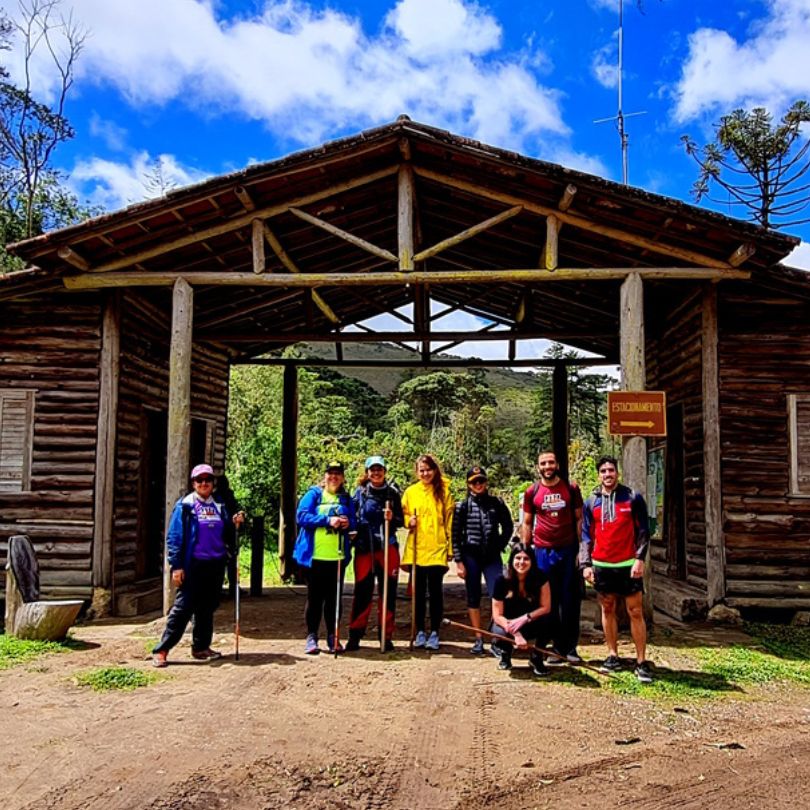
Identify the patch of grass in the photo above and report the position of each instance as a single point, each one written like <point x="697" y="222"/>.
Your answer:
<point x="783" y="641"/>
<point x="673" y="686"/>
<point x="14" y="651"/>
<point x="106" y="679"/>
<point x="743" y="665"/>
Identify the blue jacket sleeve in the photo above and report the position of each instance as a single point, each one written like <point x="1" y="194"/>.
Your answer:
<point x="307" y="512"/>
<point x="174" y="537"/>
<point x="586" y="544"/>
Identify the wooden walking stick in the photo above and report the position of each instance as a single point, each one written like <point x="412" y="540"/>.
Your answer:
<point x="337" y="601"/>
<point x="413" y="588"/>
<point x="236" y="604"/>
<point x="384" y="606"/>
<point x="508" y="640"/>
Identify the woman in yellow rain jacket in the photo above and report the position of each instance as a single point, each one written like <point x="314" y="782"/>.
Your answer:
<point x="428" y="507"/>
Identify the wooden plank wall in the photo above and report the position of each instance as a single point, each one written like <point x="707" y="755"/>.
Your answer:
<point x="144" y="385"/>
<point x="674" y="366"/>
<point x="52" y="346"/>
<point x="764" y="355"/>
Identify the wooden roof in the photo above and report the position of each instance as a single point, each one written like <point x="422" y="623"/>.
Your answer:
<point x="505" y="225"/>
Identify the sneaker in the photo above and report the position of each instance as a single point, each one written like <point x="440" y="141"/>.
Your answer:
<point x="537" y="666"/>
<point x="644" y="672"/>
<point x="478" y="647"/>
<point x="433" y="641"/>
<point x="496" y="651"/>
<point x="330" y="643"/>
<point x="505" y="662"/>
<point x="353" y="644"/>
<point x="554" y="660"/>
<point x="574" y="658"/>
<point x="420" y="640"/>
<point x="611" y="664"/>
<point x="159" y="659"/>
<point x="206" y="655"/>
<point x="311" y="647"/>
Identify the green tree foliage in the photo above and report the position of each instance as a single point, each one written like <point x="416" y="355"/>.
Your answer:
<point x="761" y="166"/>
<point x="32" y="195"/>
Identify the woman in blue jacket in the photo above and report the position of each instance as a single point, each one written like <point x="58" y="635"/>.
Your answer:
<point x="201" y="535"/>
<point x="325" y="517"/>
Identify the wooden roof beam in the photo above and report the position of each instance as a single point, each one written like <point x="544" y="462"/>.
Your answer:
<point x="382" y="253"/>
<point x="567" y="198"/>
<point x="243" y="195"/>
<point x="742" y="254"/>
<point x="467" y="233"/>
<point x="70" y="256"/>
<point x="577" y="221"/>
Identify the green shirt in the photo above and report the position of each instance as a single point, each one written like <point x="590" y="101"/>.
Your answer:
<point x="327" y="539"/>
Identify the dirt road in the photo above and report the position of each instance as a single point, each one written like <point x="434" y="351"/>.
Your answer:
<point x="442" y="730"/>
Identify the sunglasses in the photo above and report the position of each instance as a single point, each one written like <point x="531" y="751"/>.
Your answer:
<point x="478" y="481"/>
<point x="205" y="480"/>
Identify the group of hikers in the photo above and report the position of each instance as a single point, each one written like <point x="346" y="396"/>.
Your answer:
<point x="562" y="542"/>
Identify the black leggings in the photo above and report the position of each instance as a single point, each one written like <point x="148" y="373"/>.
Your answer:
<point x="322" y="594"/>
<point x="429" y="581"/>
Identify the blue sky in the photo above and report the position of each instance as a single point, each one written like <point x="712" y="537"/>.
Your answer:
<point x="207" y="86"/>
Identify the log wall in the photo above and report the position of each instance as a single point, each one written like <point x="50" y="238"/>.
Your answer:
<point x="764" y="356"/>
<point x="52" y="346"/>
<point x="674" y="366"/>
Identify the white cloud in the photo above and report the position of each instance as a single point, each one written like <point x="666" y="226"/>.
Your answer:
<point x="307" y="72"/>
<point x="113" y="185"/>
<point x="771" y="68"/>
<point x="114" y="136"/>
<point x="800" y="257"/>
<point x="604" y="66"/>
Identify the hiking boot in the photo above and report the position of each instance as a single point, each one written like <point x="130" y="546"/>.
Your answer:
<point x="433" y="641"/>
<point x="478" y="647"/>
<point x="537" y="666"/>
<point x="159" y="659"/>
<point x="505" y="662"/>
<point x="206" y="655"/>
<point x="353" y="644"/>
<point x="644" y="672"/>
<point x="611" y="664"/>
<point x="330" y="643"/>
<point x="420" y="640"/>
<point x="311" y="647"/>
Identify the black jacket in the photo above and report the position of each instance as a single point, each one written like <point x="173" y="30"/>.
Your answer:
<point x="482" y="525"/>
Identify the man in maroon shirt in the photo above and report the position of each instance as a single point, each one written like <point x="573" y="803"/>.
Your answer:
<point x="552" y="516"/>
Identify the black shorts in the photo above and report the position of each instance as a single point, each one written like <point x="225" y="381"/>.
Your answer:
<point x="616" y="580"/>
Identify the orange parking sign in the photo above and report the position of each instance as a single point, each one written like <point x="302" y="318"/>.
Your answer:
<point x="637" y="413"/>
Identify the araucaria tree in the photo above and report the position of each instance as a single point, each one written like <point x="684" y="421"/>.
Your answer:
<point x="761" y="166"/>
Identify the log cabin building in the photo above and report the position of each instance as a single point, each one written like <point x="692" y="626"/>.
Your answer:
<point x="118" y="339"/>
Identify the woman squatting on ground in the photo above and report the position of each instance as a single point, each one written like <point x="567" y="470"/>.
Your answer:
<point x="325" y="517"/>
<point x="482" y="526"/>
<point x="428" y="507"/>
<point x="376" y="502"/>
<point x="520" y="608"/>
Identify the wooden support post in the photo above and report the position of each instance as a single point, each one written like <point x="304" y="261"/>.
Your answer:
<point x="712" y="481"/>
<point x="103" y="551"/>
<point x="179" y="417"/>
<point x="559" y="417"/>
<point x="405" y="199"/>
<point x="256" y="555"/>
<point x="567" y="198"/>
<point x="257" y="239"/>
<point x="634" y="378"/>
<point x="552" y="240"/>
<point x="289" y="471"/>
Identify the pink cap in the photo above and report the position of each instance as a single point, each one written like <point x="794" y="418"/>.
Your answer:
<point x="202" y="469"/>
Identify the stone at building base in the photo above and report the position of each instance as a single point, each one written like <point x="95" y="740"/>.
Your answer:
<point x="801" y="618"/>
<point x="101" y="604"/>
<point x="722" y="614"/>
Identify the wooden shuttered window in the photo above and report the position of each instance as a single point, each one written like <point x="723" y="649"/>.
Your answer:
<point x="799" y="427"/>
<point x="16" y="439"/>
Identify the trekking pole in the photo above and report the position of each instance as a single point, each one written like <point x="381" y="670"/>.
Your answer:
<point x="413" y="589"/>
<point x="508" y="640"/>
<point x="337" y="600"/>
<point x="236" y="603"/>
<point x="384" y="606"/>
